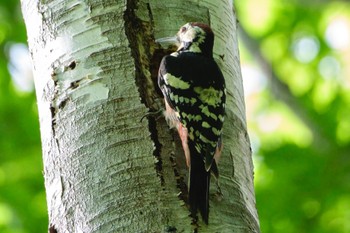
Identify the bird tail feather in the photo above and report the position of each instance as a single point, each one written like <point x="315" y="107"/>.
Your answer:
<point x="199" y="182"/>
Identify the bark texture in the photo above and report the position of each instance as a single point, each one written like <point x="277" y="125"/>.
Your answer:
<point x="95" y="66"/>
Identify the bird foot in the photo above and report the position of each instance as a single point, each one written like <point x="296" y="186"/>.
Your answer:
<point x="157" y="114"/>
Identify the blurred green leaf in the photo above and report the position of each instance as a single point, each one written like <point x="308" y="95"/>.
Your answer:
<point x="301" y="183"/>
<point x="22" y="196"/>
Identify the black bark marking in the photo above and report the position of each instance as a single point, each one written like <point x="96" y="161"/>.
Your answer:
<point x="147" y="56"/>
<point x="141" y="40"/>
<point x="74" y="85"/>
<point x="52" y="229"/>
<point x="63" y="103"/>
<point x="72" y="65"/>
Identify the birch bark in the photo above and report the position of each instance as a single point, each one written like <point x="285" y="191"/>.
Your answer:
<point x="95" y="65"/>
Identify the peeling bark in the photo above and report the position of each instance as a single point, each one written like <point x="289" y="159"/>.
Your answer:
<point x="95" y="68"/>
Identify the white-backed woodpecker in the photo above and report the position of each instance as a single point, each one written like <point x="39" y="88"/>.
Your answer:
<point x="194" y="92"/>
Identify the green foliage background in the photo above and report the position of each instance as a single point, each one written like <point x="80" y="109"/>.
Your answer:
<point x="298" y="117"/>
<point x="22" y="195"/>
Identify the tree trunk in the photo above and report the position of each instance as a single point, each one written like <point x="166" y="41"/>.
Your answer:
<point x="95" y="67"/>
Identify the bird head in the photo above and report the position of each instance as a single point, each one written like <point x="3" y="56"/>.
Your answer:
<point x="194" y="37"/>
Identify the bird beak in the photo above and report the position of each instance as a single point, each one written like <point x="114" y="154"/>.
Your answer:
<point x="167" y="40"/>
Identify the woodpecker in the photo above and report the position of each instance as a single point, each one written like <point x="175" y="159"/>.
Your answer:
<point x="194" y="91"/>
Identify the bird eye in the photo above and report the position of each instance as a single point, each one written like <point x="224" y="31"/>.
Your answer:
<point x="183" y="29"/>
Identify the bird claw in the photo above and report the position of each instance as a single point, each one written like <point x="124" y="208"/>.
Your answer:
<point x="219" y="195"/>
<point x="152" y="114"/>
